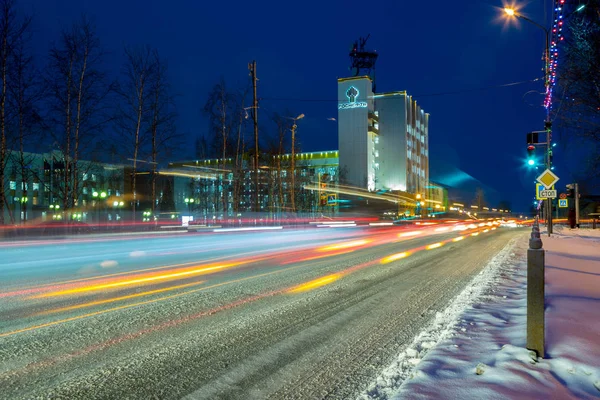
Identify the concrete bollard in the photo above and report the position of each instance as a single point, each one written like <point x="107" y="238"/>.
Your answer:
<point x="535" y="293"/>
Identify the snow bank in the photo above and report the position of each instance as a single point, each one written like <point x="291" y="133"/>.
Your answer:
<point x="483" y="355"/>
<point x="443" y="326"/>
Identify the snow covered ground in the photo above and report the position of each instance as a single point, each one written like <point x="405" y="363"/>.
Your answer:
<point x="476" y="348"/>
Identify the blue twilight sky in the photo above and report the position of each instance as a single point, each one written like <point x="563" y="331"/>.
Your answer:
<point x="477" y="137"/>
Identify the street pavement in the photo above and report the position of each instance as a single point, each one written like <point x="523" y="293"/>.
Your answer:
<point x="287" y="314"/>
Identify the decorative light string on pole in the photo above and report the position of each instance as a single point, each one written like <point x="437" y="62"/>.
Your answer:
<point x="556" y="38"/>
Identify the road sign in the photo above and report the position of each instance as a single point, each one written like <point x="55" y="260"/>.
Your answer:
<point x="331" y="199"/>
<point x="563" y="203"/>
<point x="547" y="178"/>
<point x="538" y="191"/>
<point x="562" y="196"/>
<point x="548" y="194"/>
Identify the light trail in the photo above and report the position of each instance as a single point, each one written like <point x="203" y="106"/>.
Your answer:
<point x="316" y="283"/>
<point x="344" y="245"/>
<point x="115" y="299"/>
<point x="143" y="280"/>
<point x="394" y="257"/>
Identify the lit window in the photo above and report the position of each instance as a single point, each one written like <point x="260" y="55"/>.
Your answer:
<point x="12" y="185"/>
<point x="36" y="186"/>
<point x="376" y="139"/>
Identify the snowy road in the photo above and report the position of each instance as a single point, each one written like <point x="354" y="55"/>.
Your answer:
<point x="283" y="315"/>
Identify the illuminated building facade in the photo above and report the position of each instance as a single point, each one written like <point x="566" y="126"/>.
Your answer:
<point x="383" y="138"/>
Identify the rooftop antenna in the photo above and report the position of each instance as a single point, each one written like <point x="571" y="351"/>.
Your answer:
<point x="363" y="61"/>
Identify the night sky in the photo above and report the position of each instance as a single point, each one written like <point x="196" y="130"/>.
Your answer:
<point x="431" y="49"/>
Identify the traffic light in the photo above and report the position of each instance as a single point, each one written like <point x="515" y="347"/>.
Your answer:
<point x="570" y="192"/>
<point x="532" y="138"/>
<point x="531" y="155"/>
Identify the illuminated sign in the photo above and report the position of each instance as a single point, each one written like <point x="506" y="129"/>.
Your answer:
<point x="352" y="94"/>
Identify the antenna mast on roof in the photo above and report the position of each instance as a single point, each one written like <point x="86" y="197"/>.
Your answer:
<point x="363" y="61"/>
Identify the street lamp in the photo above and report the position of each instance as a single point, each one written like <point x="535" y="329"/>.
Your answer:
<point x="293" y="189"/>
<point x="189" y="201"/>
<point x="511" y="12"/>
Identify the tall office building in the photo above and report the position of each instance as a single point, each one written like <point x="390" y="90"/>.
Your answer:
<point x="383" y="138"/>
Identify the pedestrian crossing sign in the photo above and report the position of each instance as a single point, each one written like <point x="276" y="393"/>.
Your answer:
<point x="563" y="203"/>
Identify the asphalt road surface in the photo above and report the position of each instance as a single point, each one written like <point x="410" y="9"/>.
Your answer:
<point x="298" y="314"/>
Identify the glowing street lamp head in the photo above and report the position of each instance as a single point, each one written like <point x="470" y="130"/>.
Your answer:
<point x="510" y="11"/>
<point x="530" y="162"/>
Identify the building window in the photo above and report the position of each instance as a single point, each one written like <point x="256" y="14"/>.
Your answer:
<point x="36" y="186"/>
<point x="12" y="185"/>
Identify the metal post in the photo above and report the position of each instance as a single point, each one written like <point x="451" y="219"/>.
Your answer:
<point x="535" y="293"/>
<point x="293" y="191"/>
<point x="577" y="205"/>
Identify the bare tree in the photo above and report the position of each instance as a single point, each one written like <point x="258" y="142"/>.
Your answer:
<point x="164" y="136"/>
<point x="77" y="90"/>
<point x="283" y="126"/>
<point x="26" y="92"/>
<point x="12" y="29"/>
<point x="135" y="111"/>
<point x="579" y="79"/>
<point x="220" y="108"/>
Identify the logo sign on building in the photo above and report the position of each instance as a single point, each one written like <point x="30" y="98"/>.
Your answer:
<point x="548" y="194"/>
<point x="563" y="203"/>
<point x="352" y="94"/>
<point x="547" y="178"/>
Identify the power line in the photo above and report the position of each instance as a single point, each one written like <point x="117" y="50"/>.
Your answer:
<point x="417" y="96"/>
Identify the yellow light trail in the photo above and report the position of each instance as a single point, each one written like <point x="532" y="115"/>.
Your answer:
<point x="345" y="245"/>
<point x="162" y="277"/>
<point x="316" y="283"/>
<point x="115" y="299"/>
<point x="475" y="234"/>
<point x="123" y="307"/>
<point x="434" y="246"/>
<point x="458" y="239"/>
<point x="394" y="257"/>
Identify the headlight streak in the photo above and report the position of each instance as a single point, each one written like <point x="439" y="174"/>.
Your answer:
<point x="115" y="299"/>
<point x="394" y="257"/>
<point x="142" y="280"/>
<point x="315" y="283"/>
<point x="344" y="245"/>
<point x="434" y="246"/>
<point x="409" y="234"/>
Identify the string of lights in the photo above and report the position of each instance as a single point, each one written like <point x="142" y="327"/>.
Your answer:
<point x="556" y="38"/>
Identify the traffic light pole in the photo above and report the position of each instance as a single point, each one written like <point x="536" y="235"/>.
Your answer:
<point x="577" y="205"/>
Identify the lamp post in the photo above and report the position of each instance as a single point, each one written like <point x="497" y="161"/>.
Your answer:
<point x="293" y="189"/>
<point x="511" y="12"/>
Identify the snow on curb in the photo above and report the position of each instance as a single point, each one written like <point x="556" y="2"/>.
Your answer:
<point x="442" y="326"/>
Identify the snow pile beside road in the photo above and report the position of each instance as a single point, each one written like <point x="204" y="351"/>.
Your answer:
<point x="443" y="325"/>
<point x="484" y="356"/>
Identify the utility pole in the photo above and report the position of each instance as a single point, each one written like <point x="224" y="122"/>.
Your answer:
<point x="294" y="167"/>
<point x="252" y="68"/>
<point x="577" y="205"/>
